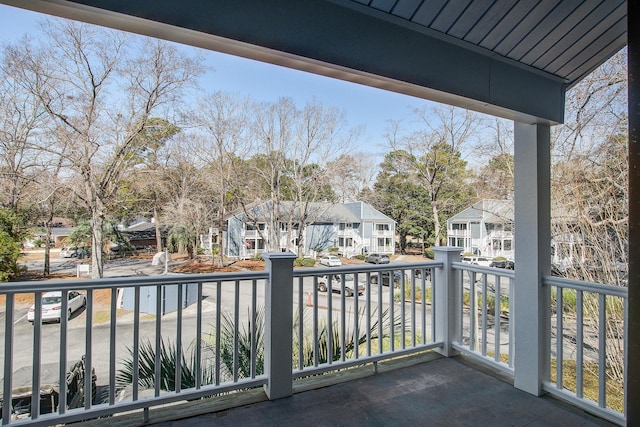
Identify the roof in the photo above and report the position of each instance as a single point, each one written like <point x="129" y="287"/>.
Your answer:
<point x="318" y="212"/>
<point x="487" y="210"/>
<point x="509" y="58"/>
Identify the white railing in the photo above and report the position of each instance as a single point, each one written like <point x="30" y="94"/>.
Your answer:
<point x="486" y="331"/>
<point x="230" y="331"/>
<point x="587" y="345"/>
<point x="209" y="339"/>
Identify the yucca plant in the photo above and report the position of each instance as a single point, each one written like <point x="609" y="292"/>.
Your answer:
<point x="168" y="366"/>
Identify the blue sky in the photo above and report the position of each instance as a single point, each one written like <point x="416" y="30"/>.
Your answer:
<point x="365" y="107"/>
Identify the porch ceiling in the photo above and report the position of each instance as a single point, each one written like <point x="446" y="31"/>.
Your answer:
<point x="511" y="58"/>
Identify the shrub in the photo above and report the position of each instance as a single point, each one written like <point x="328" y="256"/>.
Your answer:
<point x="360" y="257"/>
<point x="428" y="253"/>
<point x="333" y="250"/>
<point x="304" y="262"/>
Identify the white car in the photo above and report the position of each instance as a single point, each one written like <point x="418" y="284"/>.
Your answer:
<point x="477" y="260"/>
<point x="52" y="305"/>
<point x="330" y="261"/>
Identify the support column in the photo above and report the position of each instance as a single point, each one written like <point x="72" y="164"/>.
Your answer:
<point x="446" y="299"/>
<point x="532" y="255"/>
<point x="278" y="325"/>
<point x="632" y="369"/>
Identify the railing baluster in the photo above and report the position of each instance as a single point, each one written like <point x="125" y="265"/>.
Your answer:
<point x="7" y="385"/>
<point x="579" y="344"/>
<point x="236" y="324"/>
<point x="485" y="323"/>
<point x="330" y="280"/>
<point x="380" y="315"/>
<point x="113" y="312"/>
<point x="512" y="341"/>
<point x="356" y="312"/>
<point x="368" y="310"/>
<point x="602" y="351"/>
<point x="88" y="360"/>
<point x="300" y="323"/>
<point x="496" y="316"/>
<point x="62" y="377"/>
<point x="218" y="331"/>
<point x="136" y="342"/>
<point x="158" y="341"/>
<point x="316" y="349"/>
<point x="392" y="316"/>
<point x="198" y="340"/>
<point x="37" y="348"/>
<point x="254" y="328"/>
<point x="343" y="309"/>
<point x="402" y="307"/>
<point x="559" y="337"/>
<point x="178" y="377"/>
<point x="473" y="312"/>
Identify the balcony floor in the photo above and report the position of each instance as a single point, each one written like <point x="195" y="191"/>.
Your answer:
<point x="441" y="392"/>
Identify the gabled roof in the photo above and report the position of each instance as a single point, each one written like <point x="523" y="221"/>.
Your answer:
<point x="318" y="212"/>
<point x="487" y="210"/>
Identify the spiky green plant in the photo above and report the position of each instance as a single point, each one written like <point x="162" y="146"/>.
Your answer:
<point x="168" y="366"/>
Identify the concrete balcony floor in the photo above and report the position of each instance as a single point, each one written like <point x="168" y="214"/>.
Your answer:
<point x="438" y="392"/>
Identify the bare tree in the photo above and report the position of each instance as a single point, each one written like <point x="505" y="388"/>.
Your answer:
<point x="224" y="119"/>
<point x="99" y="98"/>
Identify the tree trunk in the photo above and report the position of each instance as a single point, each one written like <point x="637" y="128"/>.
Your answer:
<point x="97" y="221"/>
<point x="47" y="249"/>
<point x="219" y="239"/>
<point x="158" y="235"/>
<point x="436" y="224"/>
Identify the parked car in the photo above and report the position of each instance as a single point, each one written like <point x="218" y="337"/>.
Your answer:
<point x="375" y="258"/>
<point x="477" y="260"/>
<point x="52" y="305"/>
<point x="418" y="273"/>
<point x="334" y="282"/>
<point x="509" y="265"/>
<point x="397" y="277"/>
<point x="330" y="261"/>
<point x="68" y="252"/>
<point x="75" y="252"/>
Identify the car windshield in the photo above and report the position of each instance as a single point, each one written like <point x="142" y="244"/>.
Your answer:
<point x="51" y="300"/>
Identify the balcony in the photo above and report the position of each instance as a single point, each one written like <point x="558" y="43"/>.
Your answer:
<point x="415" y="339"/>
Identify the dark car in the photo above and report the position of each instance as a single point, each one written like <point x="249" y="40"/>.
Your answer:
<point x="418" y="273"/>
<point x="397" y="277"/>
<point x="375" y="258"/>
<point x="509" y="265"/>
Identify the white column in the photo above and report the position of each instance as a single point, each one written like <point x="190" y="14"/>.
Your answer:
<point x="446" y="301"/>
<point x="278" y="324"/>
<point x="532" y="254"/>
<point x="632" y="368"/>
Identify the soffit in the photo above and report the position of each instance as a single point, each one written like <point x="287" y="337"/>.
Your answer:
<point x="510" y="58"/>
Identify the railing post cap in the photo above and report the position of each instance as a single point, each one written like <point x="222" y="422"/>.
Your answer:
<point x="447" y="249"/>
<point x="278" y="255"/>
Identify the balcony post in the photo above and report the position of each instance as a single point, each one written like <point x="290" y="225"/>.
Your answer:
<point x="531" y="300"/>
<point x="632" y="339"/>
<point x="446" y="299"/>
<point x="278" y="325"/>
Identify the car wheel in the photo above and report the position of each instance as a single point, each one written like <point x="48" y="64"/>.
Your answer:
<point x="322" y="287"/>
<point x="374" y="280"/>
<point x="69" y="314"/>
<point x="348" y="292"/>
<point x="84" y="302"/>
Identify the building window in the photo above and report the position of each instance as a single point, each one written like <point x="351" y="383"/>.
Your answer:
<point x="497" y="244"/>
<point x="508" y="227"/>
<point x="341" y="242"/>
<point x="342" y="226"/>
<point x="455" y="226"/>
<point x="507" y="245"/>
<point x="382" y="227"/>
